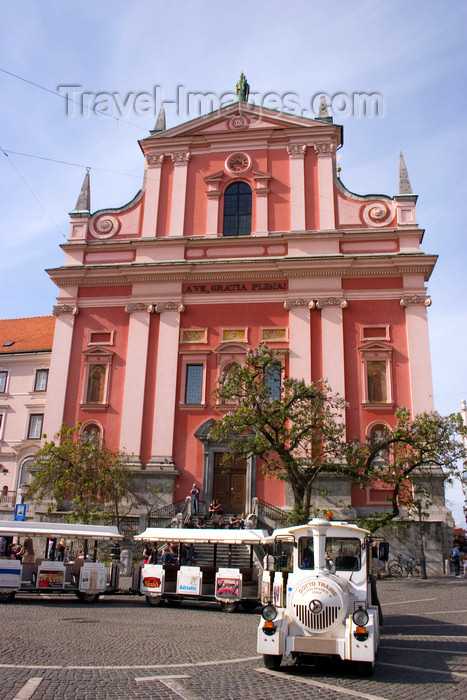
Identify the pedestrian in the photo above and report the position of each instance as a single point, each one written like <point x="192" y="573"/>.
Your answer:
<point x="147" y="552"/>
<point x="233" y="522"/>
<point x="61" y="550"/>
<point x="456" y="559"/>
<point x="195" y="499"/>
<point x="27" y="551"/>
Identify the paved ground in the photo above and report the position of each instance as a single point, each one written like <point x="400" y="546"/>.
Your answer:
<point x="121" y="648"/>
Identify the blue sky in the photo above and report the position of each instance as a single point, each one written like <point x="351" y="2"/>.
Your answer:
<point x="412" y="54"/>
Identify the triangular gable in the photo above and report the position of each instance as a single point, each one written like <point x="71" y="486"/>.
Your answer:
<point x="256" y="117"/>
<point x="376" y="346"/>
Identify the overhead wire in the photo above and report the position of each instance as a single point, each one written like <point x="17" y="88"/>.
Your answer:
<point x="69" y="99"/>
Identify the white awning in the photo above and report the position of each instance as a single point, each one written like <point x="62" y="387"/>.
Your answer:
<point x="97" y="532"/>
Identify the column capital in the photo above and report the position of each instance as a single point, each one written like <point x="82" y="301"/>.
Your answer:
<point x="324" y="149"/>
<point x="297" y="303"/>
<point x="156" y="160"/>
<point x="169" y="306"/>
<point x="180" y="157"/>
<point x="65" y="309"/>
<point x="139" y="306"/>
<point x="296" y="150"/>
<point x="415" y="299"/>
<point x="329" y="301"/>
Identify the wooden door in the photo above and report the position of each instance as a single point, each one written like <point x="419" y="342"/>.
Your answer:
<point x="230" y="485"/>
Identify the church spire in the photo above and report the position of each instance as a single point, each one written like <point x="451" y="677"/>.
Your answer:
<point x="160" y="122"/>
<point x="404" y="183"/>
<point x="83" y="203"/>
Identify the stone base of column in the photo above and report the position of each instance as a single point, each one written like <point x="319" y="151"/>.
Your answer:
<point x="162" y="464"/>
<point x="134" y="462"/>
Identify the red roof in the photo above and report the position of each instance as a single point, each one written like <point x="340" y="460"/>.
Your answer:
<point x="26" y="334"/>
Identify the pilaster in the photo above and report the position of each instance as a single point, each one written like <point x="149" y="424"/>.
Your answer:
<point x="296" y="153"/>
<point x="166" y="384"/>
<point x="332" y="347"/>
<point x="180" y="160"/>
<point x="299" y="338"/>
<point x="135" y="379"/>
<point x="325" y="153"/>
<point x="418" y="346"/>
<point x="151" y="199"/>
<point x="59" y="367"/>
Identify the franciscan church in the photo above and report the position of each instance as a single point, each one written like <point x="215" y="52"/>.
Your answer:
<point x="243" y="233"/>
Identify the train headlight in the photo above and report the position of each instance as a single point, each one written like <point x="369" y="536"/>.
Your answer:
<point x="360" y="617"/>
<point x="269" y="613"/>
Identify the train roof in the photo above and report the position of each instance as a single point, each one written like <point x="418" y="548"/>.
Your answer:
<point x="202" y="535"/>
<point x="97" y="532"/>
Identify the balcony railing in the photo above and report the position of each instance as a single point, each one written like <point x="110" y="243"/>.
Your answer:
<point x="8" y="501"/>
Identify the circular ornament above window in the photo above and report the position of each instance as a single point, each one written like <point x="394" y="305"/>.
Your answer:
<point x="238" y="163"/>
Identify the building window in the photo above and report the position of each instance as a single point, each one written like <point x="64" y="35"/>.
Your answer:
<point x="237" y="210"/>
<point x="273" y="379"/>
<point x="41" y="379"/>
<point x="3" y="381"/>
<point x="194" y="384"/>
<point x="193" y="373"/>
<point x="2" y="423"/>
<point x="35" y="426"/>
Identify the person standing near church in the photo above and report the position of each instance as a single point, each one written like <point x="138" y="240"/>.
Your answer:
<point x="195" y="499"/>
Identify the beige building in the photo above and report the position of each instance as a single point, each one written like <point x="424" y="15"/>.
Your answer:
<point x="25" y="349"/>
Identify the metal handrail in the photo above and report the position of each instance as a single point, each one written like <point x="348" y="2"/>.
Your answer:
<point x="272" y="512"/>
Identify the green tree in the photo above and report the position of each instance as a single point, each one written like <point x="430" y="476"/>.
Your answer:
<point x="295" y="429"/>
<point x="81" y="470"/>
<point x="406" y="458"/>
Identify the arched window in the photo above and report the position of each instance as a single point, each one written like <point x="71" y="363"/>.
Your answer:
<point x="237" y="210"/>
<point x="377" y="433"/>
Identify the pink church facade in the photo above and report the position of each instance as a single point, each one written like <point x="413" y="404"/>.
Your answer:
<point x="242" y="233"/>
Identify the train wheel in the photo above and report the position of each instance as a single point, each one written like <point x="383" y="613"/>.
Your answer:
<point x="272" y="661"/>
<point x="364" y="668"/>
<point x="230" y="607"/>
<point x="88" y="597"/>
<point x="153" y="600"/>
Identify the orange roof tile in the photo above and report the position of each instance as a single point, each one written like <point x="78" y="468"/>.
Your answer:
<point x="27" y="334"/>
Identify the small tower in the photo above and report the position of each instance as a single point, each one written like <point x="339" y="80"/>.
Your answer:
<point x="404" y="183"/>
<point x="82" y="211"/>
<point x="160" y="122"/>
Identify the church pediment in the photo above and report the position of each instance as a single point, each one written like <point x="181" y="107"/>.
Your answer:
<point x="237" y="119"/>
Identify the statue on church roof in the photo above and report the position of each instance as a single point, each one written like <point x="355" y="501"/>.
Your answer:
<point x="242" y="88"/>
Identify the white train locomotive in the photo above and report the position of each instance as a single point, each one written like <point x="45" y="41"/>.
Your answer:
<point x="318" y="595"/>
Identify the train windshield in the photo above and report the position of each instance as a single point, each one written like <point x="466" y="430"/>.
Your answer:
<point x="345" y="552"/>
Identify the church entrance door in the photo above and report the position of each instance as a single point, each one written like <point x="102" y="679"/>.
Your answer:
<point x="230" y="484"/>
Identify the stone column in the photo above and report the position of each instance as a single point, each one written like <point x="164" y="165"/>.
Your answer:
<point x="166" y="384"/>
<point x="296" y="153"/>
<point x="151" y="197"/>
<point x="135" y="380"/>
<point x="332" y="347"/>
<point x="418" y="346"/>
<point x="299" y="339"/>
<point x="325" y="152"/>
<point x="59" y="367"/>
<point x="177" y="212"/>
